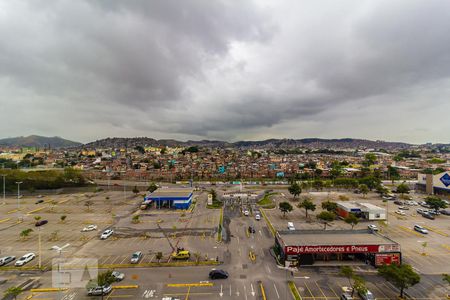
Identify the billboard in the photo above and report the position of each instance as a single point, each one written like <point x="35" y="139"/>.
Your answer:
<point x="387" y="259"/>
<point x="293" y="250"/>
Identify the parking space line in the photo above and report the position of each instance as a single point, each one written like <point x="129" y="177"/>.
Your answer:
<point x="410" y="231"/>
<point x="309" y="291"/>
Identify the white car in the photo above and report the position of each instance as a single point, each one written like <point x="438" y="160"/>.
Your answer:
<point x="106" y="234"/>
<point x="246" y="213"/>
<point x="372" y="227"/>
<point x="89" y="228"/>
<point x="257" y="217"/>
<point x="136" y="257"/>
<point x="400" y="212"/>
<point x="6" y="260"/>
<point x="25" y="259"/>
<point x="290" y="226"/>
<point x="420" y="229"/>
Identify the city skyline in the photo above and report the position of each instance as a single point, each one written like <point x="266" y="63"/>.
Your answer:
<point x="193" y="70"/>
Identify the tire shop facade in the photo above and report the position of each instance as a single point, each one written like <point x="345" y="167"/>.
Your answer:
<point x="325" y="247"/>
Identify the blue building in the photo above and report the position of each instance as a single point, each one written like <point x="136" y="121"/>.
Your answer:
<point x="178" y="198"/>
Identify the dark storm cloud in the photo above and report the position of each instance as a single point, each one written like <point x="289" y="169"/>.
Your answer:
<point x="196" y="69"/>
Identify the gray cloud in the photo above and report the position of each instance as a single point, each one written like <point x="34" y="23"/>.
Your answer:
<point x="213" y="69"/>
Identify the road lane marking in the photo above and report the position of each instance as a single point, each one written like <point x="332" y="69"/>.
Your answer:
<point x="5" y="220"/>
<point x="410" y="231"/>
<point x="276" y="291"/>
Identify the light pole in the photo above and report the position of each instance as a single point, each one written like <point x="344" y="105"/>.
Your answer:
<point x="18" y="194"/>
<point x="4" y="191"/>
<point x="59" y="249"/>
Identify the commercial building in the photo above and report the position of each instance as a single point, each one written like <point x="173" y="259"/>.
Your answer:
<point x="365" y="211"/>
<point x="434" y="184"/>
<point x="328" y="247"/>
<point x="180" y="198"/>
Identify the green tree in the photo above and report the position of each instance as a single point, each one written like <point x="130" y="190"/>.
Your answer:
<point x="446" y="278"/>
<point x="352" y="220"/>
<point x="393" y="173"/>
<point x="37" y="218"/>
<point x="307" y="204"/>
<point x="318" y="184"/>
<point x="295" y="189"/>
<point x="401" y="276"/>
<point x="326" y="217"/>
<point x="213" y="195"/>
<point x="63" y="218"/>
<point x="370" y="159"/>
<point x="364" y="189"/>
<point x="13" y="292"/>
<point x="140" y="149"/>
<point x="359" y="285"/>
<point x="347" y="272"/>
<point x="25" y="233"/>
<point x="329" y="206"/>
<point x="435" y="203"/>
<point x="88" y="204"/>
<point x="152" y="187"/>
<point x="285" y="207"/>
<point x="135" y="219"/>
<point x="403" y="189"/>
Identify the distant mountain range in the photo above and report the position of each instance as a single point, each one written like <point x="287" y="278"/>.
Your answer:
<point x="316" y="143"/>
<point x="38" y="141"/>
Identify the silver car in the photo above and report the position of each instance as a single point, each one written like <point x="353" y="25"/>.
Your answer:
<point x="6" y="260"/>
<point x="136" y="257"/>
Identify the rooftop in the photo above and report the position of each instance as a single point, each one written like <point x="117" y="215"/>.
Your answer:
<point x="332" y="237"/>
<point x="172" y="192"/>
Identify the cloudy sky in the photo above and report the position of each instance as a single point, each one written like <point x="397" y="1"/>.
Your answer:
<point x="228" y="70"/>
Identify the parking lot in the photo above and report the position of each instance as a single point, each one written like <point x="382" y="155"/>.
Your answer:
<point x="194" y="230"/>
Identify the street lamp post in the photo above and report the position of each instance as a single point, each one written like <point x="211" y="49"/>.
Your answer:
<point x="4" y="191"/>
<point x="18" y="194"/>
<point x="18" y="198"/>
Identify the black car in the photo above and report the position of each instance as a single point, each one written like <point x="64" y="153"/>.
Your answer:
<point x="251" y="229"/>
<point x="218" y="274"/>
<point x="39" y="201"/>
<point x="40" y="223"/>
<point x="398" y="202"/>
<point x="428" y="216"/>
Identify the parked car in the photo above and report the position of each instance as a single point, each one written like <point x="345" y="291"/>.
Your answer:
<point x="40" y="223"/>
<point x="136" y="257"/>
<point x="398" y="202"/>
<point x="403" y="207"/>
<point x="420" y="229"/>
<point x="367" y="296"/>
<point x="6" y="260"/>
<point x="445" y="212"/>
<point x="400" y="212"/>
<point x="346" y="297"/>
<point x="25" y="259"/>
<point x="251" y="229"/>
<point x="372" y="227"/>
<point x="118" y="276"/>
<point x="290" y="226"/>
<point x="246" y="213"/>
<point x="100" y="290"/>
<point x="218" y="274"/>
<point x="434" y="212"/>
<point x="427" y="215"/>
<point x="106" y="234"/>
<point x="39" y="201"/>
<point x="421" y="211"/>
<point x="257" y="217"/>
<point x="89" y="228"/>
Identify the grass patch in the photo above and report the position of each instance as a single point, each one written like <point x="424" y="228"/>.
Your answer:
<point x="294" y="291"/>
<point x="266" y="201"/>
